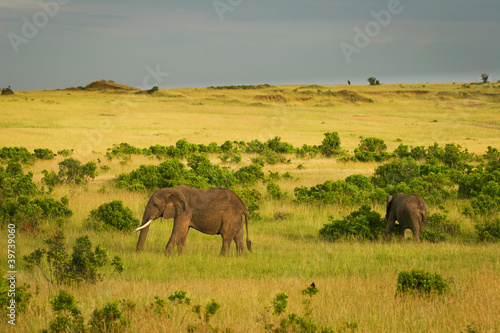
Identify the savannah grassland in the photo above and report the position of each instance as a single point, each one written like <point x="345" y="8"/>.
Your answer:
<point x="356" y="280"/>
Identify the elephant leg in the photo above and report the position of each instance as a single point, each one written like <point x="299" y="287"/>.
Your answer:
<point x="388" y="229"/>
<point x="226" y="244"/>
<point x="178" y="237"/>
<point x="416" y="234"/>
<point x="401" y="233"/>
<point x="181" y="244"/>
<point x="238" y="239"/>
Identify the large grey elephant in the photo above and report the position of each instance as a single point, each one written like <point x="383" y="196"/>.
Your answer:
<point x="409" y="210"/>
<point x="215" y="211"/>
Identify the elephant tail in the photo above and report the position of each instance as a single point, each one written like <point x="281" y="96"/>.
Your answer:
<point x="249" y="243"/>
<point x="424" y="217"/>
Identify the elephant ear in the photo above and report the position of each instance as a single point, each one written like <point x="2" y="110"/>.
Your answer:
<point x="389" y="200"/>
<point x="179" y="201"/>
<point x="388" y="206"/>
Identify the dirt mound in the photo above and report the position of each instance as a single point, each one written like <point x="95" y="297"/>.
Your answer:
<point x="351" y="96"/>
<point x="312" y="86"/>
<point x="412" y="92"/>
<point x="271" y="98"/>
<point x="107" y="85"/>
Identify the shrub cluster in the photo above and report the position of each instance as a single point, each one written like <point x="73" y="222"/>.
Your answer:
<point x="242" y="87"/>
<point x="293" y="322"/>
<point x="272" y="151"/>
<point x="69" y="318"/>
<point x="489" y="230"/>
<point x="7" y="91"/>
<point x="434" y="173"/>
<point x="171" y="173"/>
<point x="361" y="224"/>
<point x="71" y="171"/>
<point x="20" y="203"/>
<point x="60" y="267"/>
<point x="439" y="228"/>
<point x="421" y="283"/>
<point x="481" y="185"/>
<point x="179" y="299"/>
<point x="355" y="189"/>
<point x="22" y="155"/>
<point x="113" y="216"/>
<point x="371" y="149"/>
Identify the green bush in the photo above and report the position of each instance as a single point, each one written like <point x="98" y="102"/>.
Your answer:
<point x="439" y="228"/>
<point x="421" y="283"/>
<point x="488" y="231"/>
<point x="28" y="214"/>
<point x="113" y="216"/>
<point x="279" y="147"/>
<point x="7" y="91"/>
<point x="52" y="208"/>
<point x="108" y="319"/>
<point x="16" y="154"/>
<point x="72" y="171"/>
<point x="167" y="174"/>
<point x="249" y="174"/>
<point x="251" y="198"/>
<point x="339" y="191"/>
<point x="395" y="172"/>
<point x="60" y="267"/>
<point x="331" y="144"/>
<point x="293" y="322"/>
<point x="50" y="178"/>
<point x="271" y="157"/>
<point x="208" y="174"/>
<point x="14" y="182"/>
<point x="230" y="157"/>
<point x="432" y="236"/>
<point x="312" y="151"/>
<point x="171" y="173"/>
<point x="452" y="156"/>
<point x="371" y="149"/>
<point x="65" y="152"/>
<point x="122" y="150"/>
<point x="360" y="181"/>
<point x="68" y="317"/>
<point x="25" y="215"/>
<point x="275" y="191"/>
<point x="44" y="154"/>
<point x="178" y="300"/>
<point x="485" y="205"/>
<point x="363" y="224"/>
<point x="254" y="146"/>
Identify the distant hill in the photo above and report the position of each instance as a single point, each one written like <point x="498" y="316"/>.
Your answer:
<point x="104" y="85"/>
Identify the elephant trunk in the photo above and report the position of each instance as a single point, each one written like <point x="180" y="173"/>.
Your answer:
<point x="142" y="237"/>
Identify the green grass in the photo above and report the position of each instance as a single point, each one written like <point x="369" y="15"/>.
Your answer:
<point x="356" y="280"/>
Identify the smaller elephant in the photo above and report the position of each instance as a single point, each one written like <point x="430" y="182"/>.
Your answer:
<point x="409" y="210"/>
<point x="214" y="211"/>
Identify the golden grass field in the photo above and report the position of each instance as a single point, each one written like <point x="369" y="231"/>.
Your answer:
<point x="356" y="280"/>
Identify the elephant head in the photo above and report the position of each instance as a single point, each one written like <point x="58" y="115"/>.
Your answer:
<point x="166" y="203"/>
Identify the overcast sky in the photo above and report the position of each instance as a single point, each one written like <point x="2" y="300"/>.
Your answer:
<point x="48" y="44"/>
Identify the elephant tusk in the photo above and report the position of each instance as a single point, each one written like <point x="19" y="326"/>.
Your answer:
<point x="143" y="226"/>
